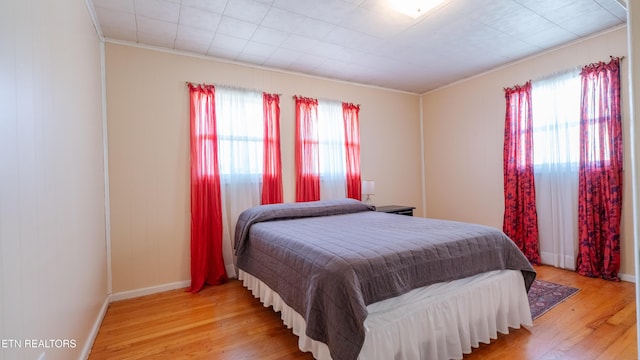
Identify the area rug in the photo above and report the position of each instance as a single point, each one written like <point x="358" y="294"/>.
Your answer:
<point x="544" y="295"/>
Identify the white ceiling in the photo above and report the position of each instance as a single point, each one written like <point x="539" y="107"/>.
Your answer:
<point x="360" y="41"/>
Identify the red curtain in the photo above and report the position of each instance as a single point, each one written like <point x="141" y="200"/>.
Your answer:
<point x="350" y="112"/>
<point x="207" y="264"/>
<point x="520" y="216"/>
<point x="307" y="151"/>
<point x="600" y="174"/>
<point x="272" y="174"/>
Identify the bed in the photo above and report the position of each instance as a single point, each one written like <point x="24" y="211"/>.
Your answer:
<point x="358" y="284"/>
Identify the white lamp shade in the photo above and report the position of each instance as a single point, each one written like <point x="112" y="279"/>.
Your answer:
<point x="368" y="187"/>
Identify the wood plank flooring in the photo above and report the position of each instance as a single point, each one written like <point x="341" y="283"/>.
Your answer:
<point x="226" y="322"/>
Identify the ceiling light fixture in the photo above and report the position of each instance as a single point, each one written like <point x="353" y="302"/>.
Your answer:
<point x="414" y="8"/>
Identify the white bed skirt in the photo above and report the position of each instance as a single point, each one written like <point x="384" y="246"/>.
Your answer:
<point x="441" y="321"/>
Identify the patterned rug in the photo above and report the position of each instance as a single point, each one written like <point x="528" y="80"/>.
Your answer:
<point x="544" y="295"/>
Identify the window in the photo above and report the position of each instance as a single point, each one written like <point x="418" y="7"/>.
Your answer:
<point x="572" y="130"/>
<point x="556" y="155"/>
<point x="556" y="119"/>
<point x="235" y="165"/>
<point x="331" y="150"/>
<point x="240" y="125"/>
<point x="327" y="150"/>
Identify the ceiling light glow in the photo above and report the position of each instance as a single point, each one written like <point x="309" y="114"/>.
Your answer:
<point x="415" y="8"/>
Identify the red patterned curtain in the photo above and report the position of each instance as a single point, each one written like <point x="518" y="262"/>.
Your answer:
<point x="272" y="175"/>
<point x="600" y="174"/>
<point x="520" y="217"/>
<point x="307" y="151"/>
<point x="350" y="113"/>
<point x="207" y="264"/>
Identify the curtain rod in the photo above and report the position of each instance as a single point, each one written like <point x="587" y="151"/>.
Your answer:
<point x="575" y="68"/>
<point x="324" y="99"/>
<point x="231" y="87"/>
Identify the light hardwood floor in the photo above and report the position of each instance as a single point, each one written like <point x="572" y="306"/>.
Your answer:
<point x="226" y="322"/>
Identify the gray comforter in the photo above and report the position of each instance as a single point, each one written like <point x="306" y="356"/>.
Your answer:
<point x="329" y="260"/>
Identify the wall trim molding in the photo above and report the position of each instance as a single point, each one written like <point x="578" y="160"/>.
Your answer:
<point x="233" y="62"/>
<point x="88" y="345"/>
<point x="94" y="19"/>
<point x="130" y="294"/>
<point x="627" y="278"/>
<point x="537" y="55"/>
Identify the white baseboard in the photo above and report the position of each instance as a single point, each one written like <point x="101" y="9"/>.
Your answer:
<point x="94" y="330"/>
<point x="627" y="278"/>
<point x="121" y="296"/>
<point x="149" y="290"/>
<point x="548" y="259"/>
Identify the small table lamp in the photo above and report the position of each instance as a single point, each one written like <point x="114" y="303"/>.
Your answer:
<point x="368" y="189"/>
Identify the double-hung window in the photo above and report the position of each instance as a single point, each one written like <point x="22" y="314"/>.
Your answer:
<point x="556" y="120"/>
<point x="242" y="117"/>
<point x="327" y="150"/>
<point x="240" y="126"/>
<point x="331" y="149"/>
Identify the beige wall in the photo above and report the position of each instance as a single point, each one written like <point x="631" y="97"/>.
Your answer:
<point x="464" y="129"/>
<point x="148" y="125"/>
<point x="53" y="270"/>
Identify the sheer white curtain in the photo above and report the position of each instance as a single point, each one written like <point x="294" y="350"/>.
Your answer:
<point x="556" y="123"/>
<point x="331" y="143"/>
<point x="240" y="125"/>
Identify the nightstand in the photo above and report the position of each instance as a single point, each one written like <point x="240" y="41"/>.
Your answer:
<point x="396" y="209"/>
